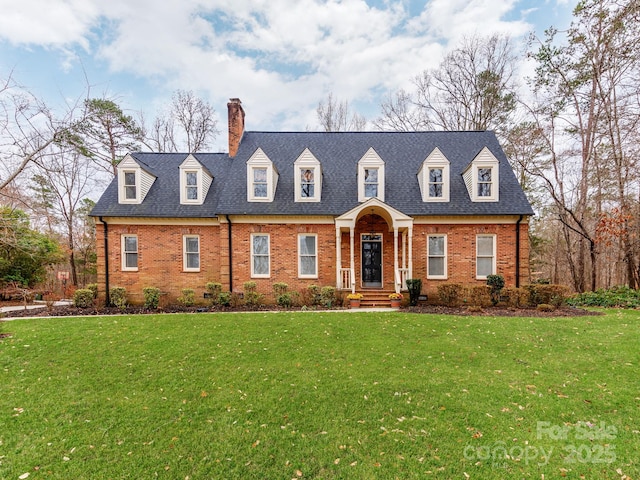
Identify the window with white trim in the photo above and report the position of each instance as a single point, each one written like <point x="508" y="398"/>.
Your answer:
<point x="307" y="256"/>
<point x="191" y="186"/>
<point x="307" y="177"/>
<point x="371" y="176"/>
<point x="484" y="182"/>
<point x="262" y="178"/>
<point x="485" y="256"/>
<point x="433" y="177"/>
<point x="191" y="249"/>
<point x="260" y="255"/>
<point x="437" y="256"/>
<point x="129" y="252"/>
<point x="130" y="185"/>
<point x="481" y="177"/>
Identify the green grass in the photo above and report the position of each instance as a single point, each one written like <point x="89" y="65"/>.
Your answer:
<point x="320" y="395"/>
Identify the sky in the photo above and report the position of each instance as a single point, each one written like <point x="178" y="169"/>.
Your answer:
<point x="280" y="57"/>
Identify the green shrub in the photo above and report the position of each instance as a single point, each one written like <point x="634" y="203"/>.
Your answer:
<point x="546" y="293"/>
<point x="284" y="300"/>
<point x="414" y="285"/>
<point x="621" y="297"/>
<point x="251" y="296"/>
<point x="224" y="299"/>
<point x="280" y="288"/>
<point x="312" y="295"/>
<point x="94" y="288"/>
<point x="118" y="296"/>
<point x="479" y="295"/>
<point x="151" y="297"/>
<point x="515" y="297"/>
<point x="214" y="289"/>
<point x="496" y="284"/>
<point x="328" y="296"/>
<point x="83" y="298"/>
<point x="450" y="294"/>
<point x="188" y="297"/>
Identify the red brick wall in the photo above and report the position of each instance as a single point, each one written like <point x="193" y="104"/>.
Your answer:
<point x="160" y="255"/>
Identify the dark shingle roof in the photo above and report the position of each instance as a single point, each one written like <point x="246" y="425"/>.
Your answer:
<point x="338" y="153"/>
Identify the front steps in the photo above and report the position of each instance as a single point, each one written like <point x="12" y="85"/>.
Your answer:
<point x="375" y="298"/>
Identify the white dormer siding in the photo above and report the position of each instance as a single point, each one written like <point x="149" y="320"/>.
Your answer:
<point x="134" y="182"/>
<point x="370" y="176"/>
<point x="307" y="175"/>
<point x="262" y="178"/>
<point x="433" y="177"/>
<point x="195" y="181"/>
<point x="482" y="177"/>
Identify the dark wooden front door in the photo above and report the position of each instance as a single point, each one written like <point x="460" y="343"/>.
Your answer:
<point x="371" y="263"/>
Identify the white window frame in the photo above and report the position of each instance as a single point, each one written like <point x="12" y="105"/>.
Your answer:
<point x="370" y="161"/>
<point x="435" y="160"/>
<point x="444" y="276"/>
<point x="124" y="186"/>
<point x="124" y="252"/>
<point x="485" y="159"/>
<point x="185" y="254"/>
<point x="259" y="160"/>
<point x="493" y="255"/>
<point x="186" y="187"/>
<point x="307" y="161"/>
<point x="268" y="255"/>
<point x="315" y="256"/>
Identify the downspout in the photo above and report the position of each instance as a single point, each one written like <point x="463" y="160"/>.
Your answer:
<point x="230" y="256"/>
<point x="106" y="259"/>
<point x="518" y="251"/>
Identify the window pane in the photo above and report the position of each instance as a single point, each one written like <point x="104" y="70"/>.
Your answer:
<point x="130" y="244"/>
<point x="260" y="190"/>
<point x="435" y="190"/>
<point x="130" y="193"/>
<point x="260" y="175"/>
<point x="484" y="189"/>
<point x="436" y="246"/>
<point x="192" y="244"/>
<point x="307" y="245"/>
<point x="485" y="266"/>
<point x="261" y="265"/>
<point x="371" y="175"/>
<point x="192" y="178"/>
<point x="485" y="246"/>
<point x="306" y="175"/>
<point x="192" y="193"/>
<point x="308" y="265"/>
<point x="260" y="245"/>
<point x="435" y="175"/>
<point x="307" y="190"/>
<point x="436" y="266"/>
<point x="484" y="174"/>
<point x="131" y="260"/>
<point x="129" y="178"/>
<point x="370" y="190"/>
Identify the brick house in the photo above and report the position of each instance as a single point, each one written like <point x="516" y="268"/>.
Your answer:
<point x="359" y="211"/>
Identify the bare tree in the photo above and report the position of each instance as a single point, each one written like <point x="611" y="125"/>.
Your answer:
<point x="190" y="124"/>
<point x="335" y="116"/>
<point x="472" y="89"/>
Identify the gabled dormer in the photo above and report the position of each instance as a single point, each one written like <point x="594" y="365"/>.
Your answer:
<point x="134" y="181"/>
<point x="195" y="181"/>
<point x="433" y="177"/>
<point x="307" y="175"/>
<point x="482" y="177"/>
<point x="262" y="178"/>
<point x="370" y="176"/>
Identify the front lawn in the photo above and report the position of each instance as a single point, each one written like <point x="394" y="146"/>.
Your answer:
<point x="320" y="395"/>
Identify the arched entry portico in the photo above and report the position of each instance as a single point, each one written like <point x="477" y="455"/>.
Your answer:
<point x="367" y="260"/>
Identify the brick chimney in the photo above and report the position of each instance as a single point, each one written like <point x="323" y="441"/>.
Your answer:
<point x="236" y="125"/>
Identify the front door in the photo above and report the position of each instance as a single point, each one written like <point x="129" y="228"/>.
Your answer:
<point x="372" y="261"/>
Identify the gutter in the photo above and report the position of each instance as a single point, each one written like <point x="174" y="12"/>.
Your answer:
<point x="518" y="251"/>
<point x="230" y="256"/>
<point x="106" y="259"/>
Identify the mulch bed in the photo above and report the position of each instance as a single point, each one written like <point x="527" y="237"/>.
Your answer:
<point x="62" y="311"/>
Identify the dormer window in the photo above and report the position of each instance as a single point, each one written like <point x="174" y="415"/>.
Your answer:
<point x="433" y="177"/>
<point x="308" y="178"/>
<point x="195" y="181"/>
<point x="262" y="178"/>
<point x="482" y="177"/>
<point x="370" y="177"/>
<point x="134" y="181"/>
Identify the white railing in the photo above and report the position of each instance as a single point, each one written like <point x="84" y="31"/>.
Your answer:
<point x="401" y="279"/>
<point x="346" y="279"/>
